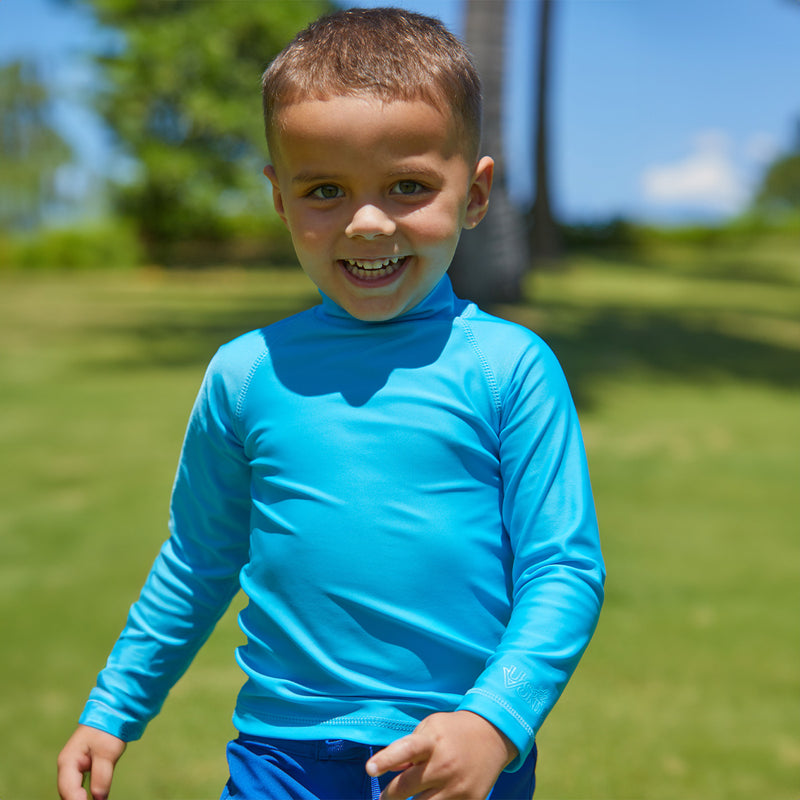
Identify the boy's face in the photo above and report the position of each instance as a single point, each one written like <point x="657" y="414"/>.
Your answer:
<point x="375" y="196"/>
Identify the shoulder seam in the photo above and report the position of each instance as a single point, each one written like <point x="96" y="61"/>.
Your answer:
<point x="486" y="366"/>
<point x="239" y="410"/>
<point x="484" y="362"/>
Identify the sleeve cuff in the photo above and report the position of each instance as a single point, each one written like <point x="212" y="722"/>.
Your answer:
<point x="505" y="718"/>
<point x="100" y="716"/>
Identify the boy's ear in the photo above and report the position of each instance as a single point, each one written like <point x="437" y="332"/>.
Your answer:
<point x="277" y="197"/>
<point x="481" y="186"/>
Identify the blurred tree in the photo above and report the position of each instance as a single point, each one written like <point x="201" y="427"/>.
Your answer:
<point x="545" y="240"/>
<point x="780" y="187"/>
<point x="779" y="191"/>
<point x="31" y="149"/>
<point x="182" y="97"/>
<point x="491" y="260"/>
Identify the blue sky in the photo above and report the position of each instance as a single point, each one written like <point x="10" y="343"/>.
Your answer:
<point x="662" y="109"/>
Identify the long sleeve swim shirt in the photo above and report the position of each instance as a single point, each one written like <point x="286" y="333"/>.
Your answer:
<point x="406" y="505"/>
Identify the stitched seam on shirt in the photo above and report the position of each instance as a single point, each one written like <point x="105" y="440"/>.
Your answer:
<point x="485" y="368"/>
<point x="278" y="330"/>
<point x="239" y="411"/>
<point x="344" y="721"/>
<point x="501" y="702"/>
<point x="490" y="375"/>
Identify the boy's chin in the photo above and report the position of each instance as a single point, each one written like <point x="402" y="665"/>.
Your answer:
<point x="382" y="298"/>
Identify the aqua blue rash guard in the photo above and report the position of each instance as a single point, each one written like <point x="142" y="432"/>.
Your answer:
<point x="407" y="507"/>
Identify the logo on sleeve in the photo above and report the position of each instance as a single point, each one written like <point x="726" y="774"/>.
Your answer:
<point x="516" y="680"/>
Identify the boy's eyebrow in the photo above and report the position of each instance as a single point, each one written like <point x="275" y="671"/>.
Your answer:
<point x="398" y="172"/>
<point x="314" y="177"/>
<point x="414" y="169"/>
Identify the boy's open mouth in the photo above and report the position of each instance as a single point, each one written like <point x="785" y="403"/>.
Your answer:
<point x="373" y="269"/>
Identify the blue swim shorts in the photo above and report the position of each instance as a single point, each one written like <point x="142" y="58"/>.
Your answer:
<point x="333" y="769"/>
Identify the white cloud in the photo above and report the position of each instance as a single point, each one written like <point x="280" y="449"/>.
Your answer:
<point x="707" y="179"/>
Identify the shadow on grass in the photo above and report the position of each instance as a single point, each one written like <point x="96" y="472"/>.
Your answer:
<point x="610" y="342"/>
<point x="168" y="338"/>
<point x="775" y="266"/>
<point x="592" y="345"/>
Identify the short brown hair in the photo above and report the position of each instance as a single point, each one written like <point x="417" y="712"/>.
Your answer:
<point x="390" y="53"/>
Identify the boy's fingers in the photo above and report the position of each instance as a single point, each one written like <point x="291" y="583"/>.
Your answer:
<point x="410" y="782"/>
<point x="70" y="786"/>
<point x="71" y="771"/>
<point x="399" y="755"/>
<point x="102" y="771"/>
<point x="88" y="751"/>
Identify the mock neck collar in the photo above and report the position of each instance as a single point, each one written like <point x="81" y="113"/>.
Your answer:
<point x="439" y="304"/>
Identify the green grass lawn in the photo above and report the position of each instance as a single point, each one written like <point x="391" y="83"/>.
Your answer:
<point x="686" y="370"/>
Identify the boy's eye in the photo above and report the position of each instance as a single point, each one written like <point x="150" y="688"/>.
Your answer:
<point x="407" y="187"/>
<point x="326" y="192"/>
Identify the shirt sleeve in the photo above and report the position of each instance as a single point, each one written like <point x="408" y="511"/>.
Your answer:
<point x="558" y="571"/>
<point x="195" y="575"/>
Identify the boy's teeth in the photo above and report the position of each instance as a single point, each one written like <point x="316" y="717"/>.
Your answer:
<point x="373" y="269"/>
<point x="373" y="264"/>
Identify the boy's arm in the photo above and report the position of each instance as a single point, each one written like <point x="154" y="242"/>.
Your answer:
<point x="558" y="572"/>
<point x="195" y="575"/>
<point x="558" y="578"/>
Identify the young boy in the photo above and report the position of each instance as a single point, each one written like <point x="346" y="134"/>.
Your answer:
<point x="395" y="478"/>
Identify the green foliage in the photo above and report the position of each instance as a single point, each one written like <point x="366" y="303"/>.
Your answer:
<point x="31" y="148"/>
<point x="112" y="245"/>
<point x="687" y="383"/>
<point x="183" y="97"/>
<point x="780" y="188"/>
<point x="617" y="233"/>
<point x="632" y="240"/>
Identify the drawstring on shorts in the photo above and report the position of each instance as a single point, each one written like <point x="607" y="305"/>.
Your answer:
<point x="374" y="785"/>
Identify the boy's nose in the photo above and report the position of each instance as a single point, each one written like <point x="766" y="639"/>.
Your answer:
<point x="370" y="221"/>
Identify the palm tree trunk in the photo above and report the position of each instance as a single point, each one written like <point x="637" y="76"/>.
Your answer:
<point x="491" y="259"/>
<point x="545" y="240"/>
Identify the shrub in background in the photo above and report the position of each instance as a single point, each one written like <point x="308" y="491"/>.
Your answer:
<point x="107" y="246"/>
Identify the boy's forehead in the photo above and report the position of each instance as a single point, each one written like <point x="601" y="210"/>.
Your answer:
<point x="364" y="117"/>
<point x="356" y="100"/>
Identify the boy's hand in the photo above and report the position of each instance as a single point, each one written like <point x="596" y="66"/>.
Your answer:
<point x="449" y="755"/>
<point x="92" y="751"/>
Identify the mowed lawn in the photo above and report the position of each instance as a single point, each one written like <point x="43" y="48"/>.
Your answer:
<point x="685" y="365"/>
